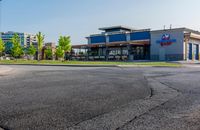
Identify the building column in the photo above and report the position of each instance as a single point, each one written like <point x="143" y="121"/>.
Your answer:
<point x="128" y="37"/>
<point x="193" y="54"/>
<point x="99" y="49"/>
<point x="186" y="49"/>
<point x="186" y="44"/>
<point x="88" y="50"/>
<point x="129" y="53"/>
<point x="199" y="52"/>
<point x="121" y="52"/>
<point x="86" y="54"/>
<point x="107" y="53"/>
<point x="99" y="52"/>
<point x="89" y="40"/>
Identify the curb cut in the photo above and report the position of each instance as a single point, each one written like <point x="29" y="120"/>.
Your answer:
<point x="5" y="70"/>
<point x="191" y="66"/>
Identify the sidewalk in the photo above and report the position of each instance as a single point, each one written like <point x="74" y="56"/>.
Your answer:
<point x="186" y="62"/>
<point x="192" y="64"/>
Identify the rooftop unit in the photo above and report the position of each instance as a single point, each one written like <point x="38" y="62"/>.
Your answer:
<point x="117" y="29"/>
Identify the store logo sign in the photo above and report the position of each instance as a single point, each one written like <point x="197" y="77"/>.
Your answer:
<point x="166" y="40"/>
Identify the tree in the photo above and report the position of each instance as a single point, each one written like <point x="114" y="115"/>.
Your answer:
<point x="31" y="50"/>
<point x="59" y="52"/>
<point x="2" y="47"/>
<point x="48" y="53"/>
<point x="65" y="44"/>
<point x="15" y="39"/>
<point x="8" y="47"/>
<point x="17" y="50"/>
<point x="40" y="41"/>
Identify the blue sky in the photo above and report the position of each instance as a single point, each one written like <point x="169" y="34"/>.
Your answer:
<point x="80" y="18"/>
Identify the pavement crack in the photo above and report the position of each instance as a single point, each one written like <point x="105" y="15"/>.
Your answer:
<point x="151" y="89"/>
<point x="136" y="117"/>
<point x="170" y="87"/>
<point x="76" y="124"/>
<point x="152" y="109"/>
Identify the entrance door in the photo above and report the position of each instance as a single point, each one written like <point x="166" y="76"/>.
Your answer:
<point x="162" y="54"/>
<point x="190" y="51"/>
<point x="138" y="53"/>
<point x="197" y="52"/>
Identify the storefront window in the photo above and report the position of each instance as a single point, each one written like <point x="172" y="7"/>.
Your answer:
<point x="115" y="52"/>
<point x="124" y="52"/>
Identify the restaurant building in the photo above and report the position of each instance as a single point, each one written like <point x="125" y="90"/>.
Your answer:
<point x="129" y="44"/>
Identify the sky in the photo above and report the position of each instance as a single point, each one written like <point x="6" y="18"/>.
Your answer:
<point x="80" y="18"/>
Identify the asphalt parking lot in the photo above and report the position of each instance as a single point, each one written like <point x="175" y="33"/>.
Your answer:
<point x="40" y="98"/>
<point x="60" y="98"/>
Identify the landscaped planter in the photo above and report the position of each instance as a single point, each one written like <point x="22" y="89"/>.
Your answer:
<point x="61" y="59"/>
<point x="1" y="58"/>
<point x="30" y="57"/>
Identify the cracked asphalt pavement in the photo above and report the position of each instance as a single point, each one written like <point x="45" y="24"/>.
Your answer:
<point x="62" y="98"/>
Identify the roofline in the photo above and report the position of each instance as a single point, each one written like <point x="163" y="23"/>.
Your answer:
<point x="104" y="34"/>
<point x="13" y="32"/>
<point x="120" y="26"/>
<point x="191" y="30"/>
<point x="173" y="29"/>
<point x="168" y="29"/>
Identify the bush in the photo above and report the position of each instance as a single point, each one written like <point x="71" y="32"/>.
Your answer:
<point x="60" y="52"/>
<point x="48" y="53"/>
<point x="31" y="50"/>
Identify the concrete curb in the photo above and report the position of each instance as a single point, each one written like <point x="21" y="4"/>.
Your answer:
<point x="72" y="65"/>
<point x="122" y="116"/>
<point x="80" y="65"/>
<point x="141" y="66"/>
<point x="191" y="66"/>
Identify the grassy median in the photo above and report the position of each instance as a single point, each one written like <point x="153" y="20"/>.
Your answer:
<point x="49" y="62"/>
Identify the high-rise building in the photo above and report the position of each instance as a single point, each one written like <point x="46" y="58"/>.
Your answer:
<point x="25" y="39"/>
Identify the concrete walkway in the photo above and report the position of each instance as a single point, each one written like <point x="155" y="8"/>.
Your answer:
<point x="186" y="62"/>
<point x="190" y="64"/>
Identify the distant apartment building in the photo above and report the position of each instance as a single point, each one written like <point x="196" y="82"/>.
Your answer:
<point x="25" y="39"/>
<point x="50" y="44"/>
